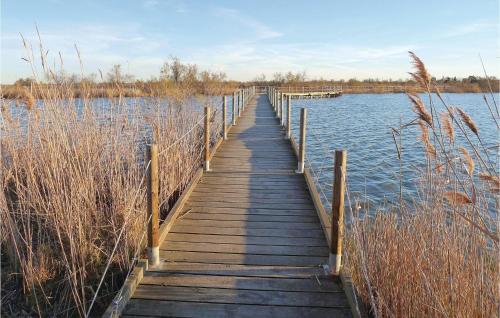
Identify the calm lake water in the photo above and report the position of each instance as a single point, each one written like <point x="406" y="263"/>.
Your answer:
<point x="361" y="124"/>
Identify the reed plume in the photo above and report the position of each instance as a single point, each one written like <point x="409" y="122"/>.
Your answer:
<point x="456" y="198"/>
<point x="436" y="256"/>
<point x="428" y="146"/>
<point x="421" y="76"/>
<point x="448" y="126"/>
<point x="467" y="120"/>
<point x="493" y="181"/>
<point x="28" y="98"/>
<point x="420" y="109"/>
<point x="72" y="178"/>
<point x="468" y="160"/>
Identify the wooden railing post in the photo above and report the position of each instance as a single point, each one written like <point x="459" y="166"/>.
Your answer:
<point x="278" y="104"/>
<point x="239" y="103"/>
<point x="278" y="99"/>
<point x="302" y="145"/>
<point x="274" y="99"/>
<point x="243" y="100"/>
<point x="337" y="233"/>
<point x="207" y="139"/>
<point x="289" y="117"/>
<point x="153" y="209"/>
<point x="271" y="97"/>
<point x="282" y="105"/>
<point x="234" y="108"/>
<point x="224" y="117"/>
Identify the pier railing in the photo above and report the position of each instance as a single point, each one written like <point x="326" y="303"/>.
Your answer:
<point x="333" y="225"/>
<point x="309" y="89"/>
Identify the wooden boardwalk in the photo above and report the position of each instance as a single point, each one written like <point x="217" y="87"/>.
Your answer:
<point x="248" y="241"/>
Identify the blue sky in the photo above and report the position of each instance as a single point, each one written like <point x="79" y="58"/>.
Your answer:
<point x="328" y="39"/>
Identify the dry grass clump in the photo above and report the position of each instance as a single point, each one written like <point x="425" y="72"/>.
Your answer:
<point x="438" y="255"/>
<point x="73" y="180"/>
<point x="19" y="93"/>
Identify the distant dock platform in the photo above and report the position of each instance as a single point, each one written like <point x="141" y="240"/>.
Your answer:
<point x="311" y="92"/>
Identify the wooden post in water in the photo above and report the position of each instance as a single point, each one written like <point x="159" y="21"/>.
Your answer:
<point x="234" y="108"/>
<point x="302" y="145"/>
<point x="337" y="231"/>
<point x="289" y="117"/>
<point x="153" y="208"/>
<point x="224" y="117"/>
<point x="207" y="139"/>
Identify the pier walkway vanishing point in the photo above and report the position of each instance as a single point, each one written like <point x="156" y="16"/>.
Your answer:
<point x="248" y="238"/>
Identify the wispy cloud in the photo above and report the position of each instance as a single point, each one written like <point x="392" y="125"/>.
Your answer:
<point x="100" y="45"/>
<point x="317" y="59"/>
<point x="470" y="28"/>
<point x="148" y="4"/>
<point x="178" y="6"/>
<point x="261" y="30"/>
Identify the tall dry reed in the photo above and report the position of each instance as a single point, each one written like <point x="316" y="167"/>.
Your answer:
<point x="73" y="179"/>
<point x="437" y="256"/>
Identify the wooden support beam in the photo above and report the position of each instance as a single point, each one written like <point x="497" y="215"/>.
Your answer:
<point x="338" y="211"/>
<point x="302" y="141"/>
<point x="153" y="208"/>
<point x="224" y="117"/>
<point x="239" y="103"/>
<point x="289" y="117"/>
<point x="234" y="108"/>
<point x="207" y="139"/>
<point x="282" y="105"/>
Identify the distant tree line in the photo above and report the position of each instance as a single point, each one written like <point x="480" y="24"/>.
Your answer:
<point x="178" y="77"/>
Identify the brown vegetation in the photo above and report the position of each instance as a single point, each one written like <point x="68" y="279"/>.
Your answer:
<point x="438" y="255"/>
<point x="73" y="189"/>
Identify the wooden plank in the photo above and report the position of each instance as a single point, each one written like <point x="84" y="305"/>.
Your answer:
<point x="248" y="224"/>
<point x="253" y="180"/>
<point x="128" y="289"/>
<point x="318" y="204"/>
<point x="314" y="233"/>
<point x="255" y="240"/>
<point x="276" y="187"/>
<point x="236" y="169"/>
<point x="286" y="271"/>
<point x="229" y="199"/>
<point x="256" y="194"/>
<point x="255" y="162"/>
<point x="246" y="211"/>
<point x="244" y="248"/>
<point x="324" y="283"/>
<point x="177" y="208"/>
<point x="251" y="217"/>
<point x="240" y="296"/>
<point x="290" y="176"/>
<point x="242" y="205"/>
<point x="145" y="308"/>
<point x="242" y="259"/>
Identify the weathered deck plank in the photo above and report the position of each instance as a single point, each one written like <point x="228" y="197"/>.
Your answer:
<point x="248" y="242"/>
